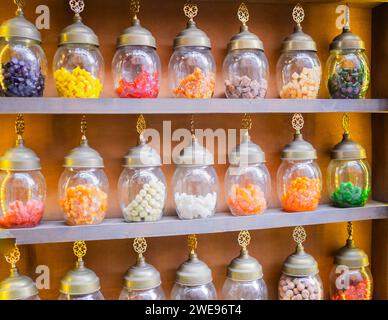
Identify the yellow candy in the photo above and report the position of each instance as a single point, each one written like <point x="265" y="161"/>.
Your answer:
<point x="77" y="84"/>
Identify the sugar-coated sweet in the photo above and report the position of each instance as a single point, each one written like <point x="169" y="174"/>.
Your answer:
<point x="22" y="215"/>
<point x="304" y="85"/>
<point x="348" y="195"/>
<point x="191" y="206"/>
<point x="245" y="88"/>
<point x="196" y="85"/>
<point x="145" y="85"/>
<point x="247" y="200"/>
<point x="302" y="288"/>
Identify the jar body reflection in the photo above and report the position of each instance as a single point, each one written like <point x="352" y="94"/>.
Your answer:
<point x="83" y="195"/>
<point x="92" y="296"/>
<point x="351" y="283"/>
<point x="300" y="288"/>
<point x="298" y="75"/>
<point x="246" y="74"/>
<point x="202" y="292"/>
<point x="245" y="290"/>
<point x="195" y="191"/>
<point x="247" y="189"/>
<point x="78" y="71"/>
<point x="23" y="194"/>
<point x="299" y="185"/>
<point x="151" y="294"/>
<point x="348" y="74"/>
<point x="23" y="68"/>
<point x="349" y="182"/>
<point x="136" y="72"/>
<point x="142" y="193"/>
<point x="192" y="72"/>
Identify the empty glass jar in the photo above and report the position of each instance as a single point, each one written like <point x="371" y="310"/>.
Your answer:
<point x="142" y="185"/>
<point x="299" y="179"/>
<point x="23" y="63"/>
<point x="136" y="64"/>
<point x="245" y="67"/>
<point x="83" y="186"/>
<point x="192" y="67"/>
<point x="23" y="187"/>
<point x="298" y="69"/>
<point x="348" y="174"/>
<point x="247" y="180"/>
<point x="195" y="182"/>
<point x="348" y="74"/>
<point x="78" y="64"/>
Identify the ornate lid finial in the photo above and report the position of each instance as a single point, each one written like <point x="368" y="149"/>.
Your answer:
<point x="346" y="123"/>
<point x="13" y="257"/>
<point x="135" y="8"/>
<point x="298" y="14"/>
<point x="77" y="6"/>
<point x="20" y="4"/>
<point x="297" y="122"/>
<point x="140" y="246"/>
<point x="191" y="10"/>
<point x="20" y="126"/>
<point x="84" y="128"/>
<point x="79" y="249"/>
<point x="243" y="13"/>
<point x="299" y="235"/>
<point x="246" y="122"/>
<point x="244" y="239"/>
<point x="192" y="243"/>
<point x="141" y="125"/>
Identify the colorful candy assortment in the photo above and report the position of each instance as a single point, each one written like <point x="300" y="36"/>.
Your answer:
<point x="302" y="194"/>
<point x="148" y="204"/>
<point x="347" y="83"/>
<point x="304" y="85"/>
<point x="19" y="78"/>
<point x="145" y="85"/>
<point x="244" y="201"/>
<point x="193" y="207"/>
<point x="196" y="85"/>
<point x="357" y="290"/>
<point x="77" y="84"/>
<point x="22" y="215"/>
<point x="84" y="204"/>
<point x="348" y="195"/>
<point x="246" y="88"/>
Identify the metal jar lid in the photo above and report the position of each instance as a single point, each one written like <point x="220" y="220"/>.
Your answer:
<point x="20" y="158"/>
<point x="347" y="149"/>
<point x="244" y="39"/>
<point x="83" y="156"/>
<point x="191" y="36"/>
<point x="298" y="40"/>
<point x="298" y="148"/>
<point x="193" y="272"/>
<point x="350" y="255"/>
<point x="77" y="32"/>
<point x="246" y="153"/>
<point x="142" y="155"/>
<point x="300" y="263"/>
<point x="20" y="27"/>
<point x="194" y="155"/>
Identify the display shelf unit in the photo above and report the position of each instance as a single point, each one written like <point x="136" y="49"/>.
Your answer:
<point x="56" y="231"/>
<point x="185" y="106"/>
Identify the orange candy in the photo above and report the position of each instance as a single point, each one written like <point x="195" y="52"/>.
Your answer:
<point x="302" y="194"/>
<point x="196" y="85"/>
<point x="84" y="204"/>
<point x="247" y="201"/>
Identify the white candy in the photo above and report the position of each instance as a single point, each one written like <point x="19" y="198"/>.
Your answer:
<point x="192" y="206"/>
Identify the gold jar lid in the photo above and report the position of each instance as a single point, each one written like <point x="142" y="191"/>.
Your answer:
<point x="142" y="155"/>
<point x="298" y="148"/>
<point x="244" y="39"/>
<point x="141" y="276"/>
<point x="136" y="35"/>
<point x="350" y="255"/>
<point x="244" y="267"/>
<point x="193" y="272"/>
<point x="20" y="158"/>
<point x="77" y="32"/>
<point x="83" y="156"/>
<point x="16" y="286"/>
<point x="80" y="280"/>
<point x="298" y="40"/>
<point x="20" y="27"/>
<point x="194" y="154"/>
<point x="191" y="36"/>
<point x="347" y="149"/>
<point x="300" y="263"/>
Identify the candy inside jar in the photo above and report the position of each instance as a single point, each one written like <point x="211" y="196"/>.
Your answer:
<point x="78" y="64"/>
<point x="23" y="62"/>
<point x="83" y="186"/>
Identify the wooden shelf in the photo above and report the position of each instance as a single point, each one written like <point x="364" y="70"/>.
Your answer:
<point x="56" y="231"/>
<point x="185" y="106"/>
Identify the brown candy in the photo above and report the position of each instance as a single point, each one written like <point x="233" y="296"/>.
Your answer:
<point x="245" y="88"/>
<point x="299" y="289"/>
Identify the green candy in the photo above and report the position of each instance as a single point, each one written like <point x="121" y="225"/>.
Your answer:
<point x="348" y="195"/>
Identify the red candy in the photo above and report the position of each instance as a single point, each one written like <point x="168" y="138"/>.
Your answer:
<point x="20" y="215"/>
<point x="356" y="291"/>
<point x="145" y="85"/>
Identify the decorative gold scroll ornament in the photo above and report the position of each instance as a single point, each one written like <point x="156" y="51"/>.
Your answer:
<point x="244" y="239"/>
<point x="20" y="4"/>
<point x="135" y="8"/>
<point x="243" y="13"/>
<point x="13" y="257"/>
<point x="346" y="123"/>
<point x="246" y="122"/>
<point x="192" y="243"/>
<point x="79" y="249"/>
<point x="140" y="246"/>
<point x="298" y="14"/>
<point x="141" y="125"/>
<point x="20" y="126"/>
<point x="191" y="10"/>
<point x="77" y="6"/>
<point x="297" y="122"/>
<point x="299" y="235"/>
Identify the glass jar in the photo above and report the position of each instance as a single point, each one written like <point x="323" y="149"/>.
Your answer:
<point x="245" y="290"/>
<point x="195" y="183"/>
<point x="200" y="292"/>
<point x="136" y="64"/>
<point x="23" y="62"/>
<point x="78" y="64"/>
<point x="92" y="296"/>
<point x="83" y="186"/>
<point x="298" y="70"/>
<point x="300" y="288"/>
<point x="348" y="74"/>
<point x="142" y="186"/>
<point x="151" y="294"/>
<point x="247" y="180"/>
<point x="192" y="69"/>
<point x="23" y="187"/>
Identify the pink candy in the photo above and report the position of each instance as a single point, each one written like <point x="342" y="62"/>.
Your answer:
<point x="20" y="215"/>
